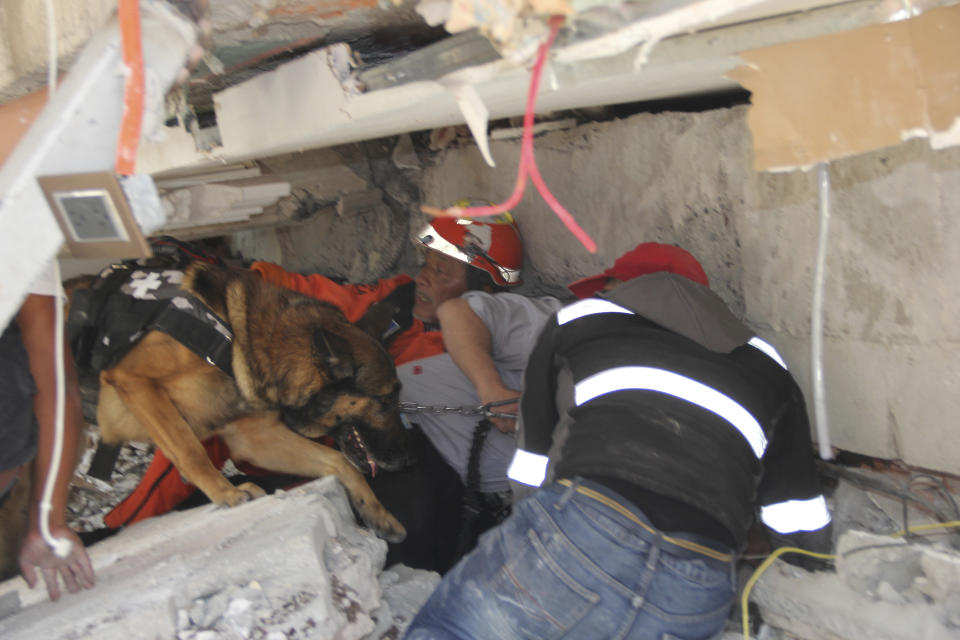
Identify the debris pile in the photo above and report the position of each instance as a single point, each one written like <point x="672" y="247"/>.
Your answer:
<point x="92" y="498"/>
<point x="291" y="565"/>
<point x="897" y="566"/>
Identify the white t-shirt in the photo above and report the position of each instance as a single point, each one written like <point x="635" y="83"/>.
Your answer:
<point x="45" y="284"/>
<point x="514" y="322"/>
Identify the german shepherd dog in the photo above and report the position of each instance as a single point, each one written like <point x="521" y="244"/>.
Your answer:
<point x="301" y="371"/>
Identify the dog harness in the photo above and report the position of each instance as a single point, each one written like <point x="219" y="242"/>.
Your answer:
<point x="131" y="299"/>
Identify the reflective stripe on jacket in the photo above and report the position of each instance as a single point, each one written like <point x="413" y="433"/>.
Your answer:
<point x="610" y="394"/>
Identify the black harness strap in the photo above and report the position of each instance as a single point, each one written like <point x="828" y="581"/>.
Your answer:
<point x="391" y="316"/>
<point x="197" y="335"/>
<point x="472" y="498"/>
<point x="104" y="460"/>
<point x="106" y="322"/>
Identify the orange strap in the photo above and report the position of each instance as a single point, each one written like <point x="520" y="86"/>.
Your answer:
<point x="161" y="489"/>
<point x="128" y="14"/>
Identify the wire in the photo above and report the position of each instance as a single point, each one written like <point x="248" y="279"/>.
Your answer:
<point x="528" y="162"/>
<point x="926" y="527"/>
<point x="878" y="484"/>
<point x="745" y="597"/>
<point x="61" y="546"/>
<point x="128" y="16"/>
<point x="941" y="487"/>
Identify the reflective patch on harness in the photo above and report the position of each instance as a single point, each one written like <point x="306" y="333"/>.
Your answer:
<point x="768" y="349"/>
<point x="792" y="516"/>
<point x="588" y="307"/>
<point x="528" y="468"/>
<point x="663" y="381"/>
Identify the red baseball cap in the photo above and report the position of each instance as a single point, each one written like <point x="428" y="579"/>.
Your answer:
<point x="645" y="258"/>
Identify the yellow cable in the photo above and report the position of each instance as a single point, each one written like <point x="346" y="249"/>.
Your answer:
<point x="744" y="599"/>
<point x="927" y="527"/>
<point x="756" y="576"/>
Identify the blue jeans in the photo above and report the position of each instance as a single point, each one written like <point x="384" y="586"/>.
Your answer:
<point x="575" y="560"/>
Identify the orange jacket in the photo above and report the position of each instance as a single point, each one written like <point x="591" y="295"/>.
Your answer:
<point x="354" y="300"/>
<point x="162" y="488"/>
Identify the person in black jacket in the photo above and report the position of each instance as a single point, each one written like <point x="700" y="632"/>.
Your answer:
<point x="656" y="426"/>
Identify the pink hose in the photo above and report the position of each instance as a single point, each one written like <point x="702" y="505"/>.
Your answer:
<point x="528" y="163"/>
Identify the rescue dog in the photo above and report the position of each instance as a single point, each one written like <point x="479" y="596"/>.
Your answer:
<point x="301" y="371"/>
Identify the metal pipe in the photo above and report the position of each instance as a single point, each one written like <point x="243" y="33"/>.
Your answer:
<point x="816" y="323"/>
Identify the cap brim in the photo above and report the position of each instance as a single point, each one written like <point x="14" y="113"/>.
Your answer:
<point x="586" y="287"/>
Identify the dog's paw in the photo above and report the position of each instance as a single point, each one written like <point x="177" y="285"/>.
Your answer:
<point x="244" y="493"/>
<point x="388" y="528"/>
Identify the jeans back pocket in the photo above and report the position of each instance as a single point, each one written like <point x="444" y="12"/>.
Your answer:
<point x="545" y="600"/>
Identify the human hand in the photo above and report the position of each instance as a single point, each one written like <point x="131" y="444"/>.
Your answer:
<point x="496" y="394"/>
<point x="75" y="569"/>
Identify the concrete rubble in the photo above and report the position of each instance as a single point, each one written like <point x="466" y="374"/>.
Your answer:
<point x="890" y="590"/>
<point x="296" y="566"/>
<point x="292" y="565"/>
<point x="884" y="587"/>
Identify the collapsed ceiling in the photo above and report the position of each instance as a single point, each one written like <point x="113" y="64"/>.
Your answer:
<point x="608" y="52"/>
<point x="278" y="77"/>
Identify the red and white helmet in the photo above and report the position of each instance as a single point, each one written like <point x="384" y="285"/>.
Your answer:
<point x="491" y="243"/>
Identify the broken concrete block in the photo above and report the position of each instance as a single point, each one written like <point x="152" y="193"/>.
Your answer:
<point x="879" y="592"/>
<point x="293" y="565"/>
<point x="895" y="570"/>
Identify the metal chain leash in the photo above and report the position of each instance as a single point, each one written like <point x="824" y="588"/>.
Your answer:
<point x="485" y="410"/>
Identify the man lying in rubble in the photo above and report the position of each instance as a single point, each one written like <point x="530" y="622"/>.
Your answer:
<point x="478" y="259"/>
<point x="654" y="423"/>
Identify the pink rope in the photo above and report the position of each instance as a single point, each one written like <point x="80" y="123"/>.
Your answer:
<point x="528" y="163"/>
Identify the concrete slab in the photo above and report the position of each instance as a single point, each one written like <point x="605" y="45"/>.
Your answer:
<point x="883" y="589"/>
<point x="291" y="565"/>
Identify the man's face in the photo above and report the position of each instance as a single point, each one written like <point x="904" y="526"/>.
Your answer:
<point x="440" y="279"/>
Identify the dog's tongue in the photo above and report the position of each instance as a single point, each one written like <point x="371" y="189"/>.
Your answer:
<point x="373" y="468"/>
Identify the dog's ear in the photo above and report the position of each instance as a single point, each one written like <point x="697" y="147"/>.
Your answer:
<point x="375" y="373"/>
<point x="209" y="283"/>
<point x="333" y="354"/>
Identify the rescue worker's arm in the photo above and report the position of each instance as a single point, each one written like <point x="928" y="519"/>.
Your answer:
<point x="36" y="319"/>
<point x="352" y="299"/>
<point x="792" y="506"/>
<point x="467" y="340"/>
